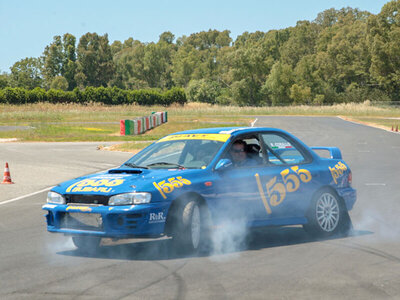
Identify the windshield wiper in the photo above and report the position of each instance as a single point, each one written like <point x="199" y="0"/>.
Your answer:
<point x="163" y="163"/>
<point x="134" y="166"/>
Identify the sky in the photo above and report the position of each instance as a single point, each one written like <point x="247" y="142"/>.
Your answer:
<point x="27" y="27"/>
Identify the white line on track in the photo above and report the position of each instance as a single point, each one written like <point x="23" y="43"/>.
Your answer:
<point x="25" y="196"/>
<point x="374" y="183"/>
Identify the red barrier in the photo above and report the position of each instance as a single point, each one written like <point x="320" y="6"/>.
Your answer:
<point x="122" y="127"/>
<point x="139" y="122"/>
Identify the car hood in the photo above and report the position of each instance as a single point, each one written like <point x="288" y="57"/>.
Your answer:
<point x="122" y="180"/>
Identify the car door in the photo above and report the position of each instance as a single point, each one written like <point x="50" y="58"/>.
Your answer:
<point x="285" y="184"/>
<point x="237" y="190"/>
<point x="271" y="192"/>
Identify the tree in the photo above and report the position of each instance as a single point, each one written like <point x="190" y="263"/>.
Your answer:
<point x="300" y="94"/>
<point x="167" y="37"/>
<point x="26" y="73"/>
<point x="69" y="66"/>
<point x="59" y="83"/>
<point x="53" y="59"/>
<point x="95" y="65"/>
<point x="250" y="66"/>
<point x="4" y="80"/>
<point x="278" y="84"/>
<point x="203" y="91"/>
<point x="300" y="43"/>
<point x="60" y="60"/>
<point x="184" y="63"/>
<point x="384" y="42"/>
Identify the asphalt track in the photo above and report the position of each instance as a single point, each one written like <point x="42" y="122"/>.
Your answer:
<point x="280" y="263"/>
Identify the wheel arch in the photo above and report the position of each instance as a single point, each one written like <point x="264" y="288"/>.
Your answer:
<point x="318" y="192"/>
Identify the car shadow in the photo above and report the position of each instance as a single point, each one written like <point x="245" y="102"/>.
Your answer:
<point x="163" y="249"/>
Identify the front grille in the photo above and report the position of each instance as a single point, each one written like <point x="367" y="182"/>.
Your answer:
<point x="81" y="221"/>
<point x="87" y="199"/>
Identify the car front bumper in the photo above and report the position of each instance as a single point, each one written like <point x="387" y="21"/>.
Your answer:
<point x="144" y="220"/>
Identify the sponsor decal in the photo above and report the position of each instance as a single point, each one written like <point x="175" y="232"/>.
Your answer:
<point x="276" y="191"/>
<point x="168" y="186"/>
<point x="80" y="208"/>
<point x="202" y="136"/>
<point x="338" y="170"/>
<point x="157" y="217"/>
<point x="95" y="185"/>
<point x="280" y="145"/>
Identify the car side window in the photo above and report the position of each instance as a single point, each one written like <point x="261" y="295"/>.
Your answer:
<point x="280" y="151"/>
<point x="245" y="151"/>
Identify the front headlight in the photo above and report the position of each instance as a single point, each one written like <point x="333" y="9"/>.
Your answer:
<point x="55" y="198"/>
<point x="130" y="198"/>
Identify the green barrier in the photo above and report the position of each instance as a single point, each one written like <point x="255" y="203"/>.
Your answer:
<point x="142" y="124"/>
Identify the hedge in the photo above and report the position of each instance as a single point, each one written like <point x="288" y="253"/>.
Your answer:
<point x="109" y="96"/>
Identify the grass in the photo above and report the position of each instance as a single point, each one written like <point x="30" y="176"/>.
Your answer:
<point x="96" y="122"/>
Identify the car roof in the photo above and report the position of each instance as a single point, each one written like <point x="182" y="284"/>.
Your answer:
<point x="228" y="130"/>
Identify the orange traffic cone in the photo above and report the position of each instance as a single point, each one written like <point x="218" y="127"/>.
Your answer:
<point x="7" y="176"/>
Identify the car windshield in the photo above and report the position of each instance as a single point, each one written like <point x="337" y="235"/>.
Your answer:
<point x="172" y="154"/>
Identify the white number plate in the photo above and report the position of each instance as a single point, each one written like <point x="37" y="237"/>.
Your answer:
<point x="91" y="219"/>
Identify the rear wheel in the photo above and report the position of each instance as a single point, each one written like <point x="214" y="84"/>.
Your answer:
<point x="327" y="215"/>
<point x="88" y="244"/>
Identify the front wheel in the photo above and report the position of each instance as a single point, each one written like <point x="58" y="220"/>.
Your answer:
<point x="189" y="229"/>
<point x="87" y="244"/>
<point x="327" y="215"/>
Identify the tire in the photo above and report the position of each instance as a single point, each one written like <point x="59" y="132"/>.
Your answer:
<point x="189" y="232"/>
<point x="87" y="244"/>
<point x="327" y="215"/>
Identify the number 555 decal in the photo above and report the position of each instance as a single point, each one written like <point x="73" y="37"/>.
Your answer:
<point x="276" y="191"/>
<point x="168" y="186"/>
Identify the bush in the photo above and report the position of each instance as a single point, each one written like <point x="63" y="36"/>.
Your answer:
<point x="109" y="96"/>
<point x="59" y="96"/>
<point x="15" y="95"/>
<point x="119" y="96"/>
<point x="37" y="95"/>
<point x="79" y="97"/>
<point x="174" y="95"/>
<point x="89" y="94"/>
<point x="103" y="95"/>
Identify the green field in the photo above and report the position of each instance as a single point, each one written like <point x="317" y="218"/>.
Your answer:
<point x="71" y="122"/>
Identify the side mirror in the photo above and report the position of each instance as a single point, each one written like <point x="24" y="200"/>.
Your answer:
<point x="223" y="164"/>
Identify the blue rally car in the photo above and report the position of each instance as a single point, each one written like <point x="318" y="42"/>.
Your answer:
<point x="188" y="183"/>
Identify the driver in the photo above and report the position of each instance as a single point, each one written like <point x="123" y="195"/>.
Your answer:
<point x="239" y="154"/>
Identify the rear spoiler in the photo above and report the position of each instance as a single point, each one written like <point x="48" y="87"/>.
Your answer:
<point x="333" y="151"/>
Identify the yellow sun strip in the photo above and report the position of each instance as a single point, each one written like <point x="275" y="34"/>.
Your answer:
<point x="93" y="129"/>
<point x="160" y="190"/>
<point x="260" y="189"/>
<point x="202" y="136"/>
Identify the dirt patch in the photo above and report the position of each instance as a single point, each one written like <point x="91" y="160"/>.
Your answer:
<point x="8" y="140"/>
<point x="117" y="148"/>
<point x="365" y="123"/>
